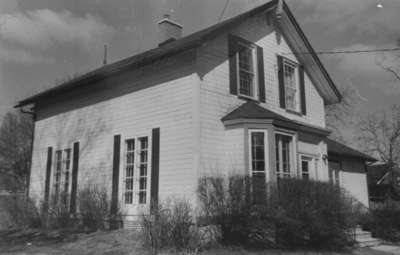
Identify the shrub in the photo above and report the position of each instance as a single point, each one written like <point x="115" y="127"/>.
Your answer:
<point x="58" y="213"/>
<point x="22" y="211"/>
<point x="385" y="224"/>
<point x="171" y="226"/>
<point x="230" y="205"/>
<point x="314" y="215"/>
<point x="297" y="214"/>
<point x="94" y="207"/>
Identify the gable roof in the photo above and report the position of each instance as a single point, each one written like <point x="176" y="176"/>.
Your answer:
<point x="189" y="42"/>
<point x="252" y="111"/>
<point x="340" y="149"/>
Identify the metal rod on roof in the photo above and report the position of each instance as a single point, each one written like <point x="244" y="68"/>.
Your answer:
<point x="105" y="55"/>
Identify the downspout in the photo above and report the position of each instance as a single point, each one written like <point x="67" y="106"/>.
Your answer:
<point x="33" y="114"/>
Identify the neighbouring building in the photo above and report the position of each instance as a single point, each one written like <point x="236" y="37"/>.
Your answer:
<point x="383" y="185"/>
<point x="348" y="168"/>
<point x="239" y="97"/>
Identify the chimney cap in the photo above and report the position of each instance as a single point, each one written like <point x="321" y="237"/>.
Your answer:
<point x="167" y="18"/>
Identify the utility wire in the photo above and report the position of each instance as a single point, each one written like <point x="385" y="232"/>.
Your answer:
<point x="223" y="11"/>
<point x="348" y="51"/>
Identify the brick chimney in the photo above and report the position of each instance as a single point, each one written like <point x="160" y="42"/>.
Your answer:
<point x="169" y="30"/>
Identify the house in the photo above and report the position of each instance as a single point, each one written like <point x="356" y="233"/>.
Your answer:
<point x="245" y="96"/>
<point x="380" y="186"/>
<point x="348" y="168"/>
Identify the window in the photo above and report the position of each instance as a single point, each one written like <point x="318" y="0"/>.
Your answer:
<point x="284" y="155"/>
<point x="129" y="171"/>
<point x="306" y="165"/>
<point x="257" y="152"/>
<point x="61" y="179"/>
<point x="136" y="171"/>
<point x="246" y="63"/>
<point x="258" y="164"/>
<point x="291" y="85"/>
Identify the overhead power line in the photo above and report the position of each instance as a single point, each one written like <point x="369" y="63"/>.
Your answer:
<point x="223" y="11"/>
<point x="348" y="51"/>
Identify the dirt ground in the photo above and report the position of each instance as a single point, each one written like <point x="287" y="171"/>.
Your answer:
<point x="121" y="242"/>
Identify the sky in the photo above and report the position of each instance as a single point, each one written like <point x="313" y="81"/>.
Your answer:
<point x="44" y="42"/>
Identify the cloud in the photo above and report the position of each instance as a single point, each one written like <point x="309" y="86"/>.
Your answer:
<point x="21" y="56"/>
<point x="44" y="28"/>
<point x="351" y="21"/>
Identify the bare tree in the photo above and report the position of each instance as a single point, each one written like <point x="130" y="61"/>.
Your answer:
<point x="16" y="133"/>
<point x="380" y="134"/>
<point x="341" y="114"/>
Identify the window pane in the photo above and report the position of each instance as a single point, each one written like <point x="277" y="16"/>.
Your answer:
<point x="291" y="92"/>
<point x="129" y="171"/>
<point x="143" y="169"/>
<point x="246" y="71"/>
<point x="283" y="152"/>
<point x="257" y="151"/>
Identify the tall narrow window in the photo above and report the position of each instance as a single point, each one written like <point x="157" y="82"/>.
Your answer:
<point x="257" y="152"/>
<point x="129" y="171"/>
<point x="57" y="176"/>
<point x="284" y="151"/>
<point x="258" y="166"/>
<point x="246" y="70"/>
<point x="291" y="87"/>
<point x="143" y="166"/>
<point x="306" y="164"/>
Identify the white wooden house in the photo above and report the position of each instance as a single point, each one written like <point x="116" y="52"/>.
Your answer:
<point x="245" y="96"/>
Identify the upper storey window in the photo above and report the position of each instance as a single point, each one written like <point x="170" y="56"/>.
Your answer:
<point x="246" y="69"/>
<point x="246" y="59"/>
<point x="291" y="86"/>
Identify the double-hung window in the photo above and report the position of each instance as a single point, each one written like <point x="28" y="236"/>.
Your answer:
<point x="136" y="171"/>
<point x="292" y="94"/>
<point x="284" y="155"/>
<point x="306" y="166"/>
<point x="291" y="85"/>
<point x="247" y="71"/>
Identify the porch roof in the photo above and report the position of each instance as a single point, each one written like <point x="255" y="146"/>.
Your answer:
<point x="340" y="149"/>
<point x="251" y="112"/>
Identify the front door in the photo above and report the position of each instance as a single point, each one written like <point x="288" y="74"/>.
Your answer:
<point x="334" y="171"/>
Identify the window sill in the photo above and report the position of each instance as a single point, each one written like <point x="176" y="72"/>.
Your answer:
<point x="294" y="112"/>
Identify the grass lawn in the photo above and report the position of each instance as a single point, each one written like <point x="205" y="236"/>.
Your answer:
<point x="119" y="242"/>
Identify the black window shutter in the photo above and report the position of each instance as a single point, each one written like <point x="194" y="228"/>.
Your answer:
<point x="115" y="175"/>
<point x="155" y="167"/>
<point x="232" y="48"/>
<point x="48" y="176"/>
<point x="74" y="186"/>
<point x="302" y="90"/>
<point x="261" y="78"/>
<point x="281" y="83"/>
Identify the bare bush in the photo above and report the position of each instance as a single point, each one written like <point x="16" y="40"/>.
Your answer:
<point x="293" y="214"/>
<point x="94" y="207"/>
<point x="171" y="226"/>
